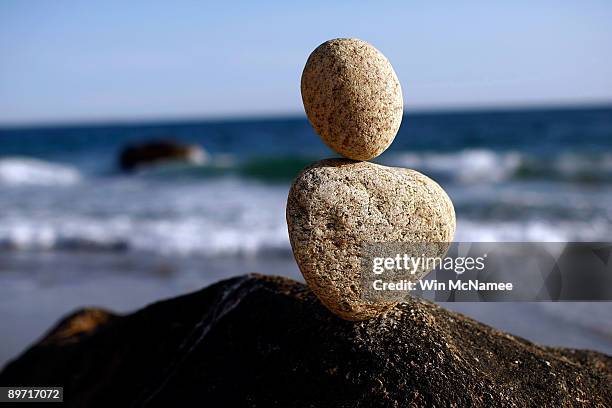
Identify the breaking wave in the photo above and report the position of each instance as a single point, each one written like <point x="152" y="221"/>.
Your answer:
<point x="18" y="171"/>
<point x="464" y="166"/>
<point x="481" y="165"/>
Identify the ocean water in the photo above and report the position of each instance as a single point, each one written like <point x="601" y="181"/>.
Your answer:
<point x="513" y="176"/>
<point x="76" y="230"/>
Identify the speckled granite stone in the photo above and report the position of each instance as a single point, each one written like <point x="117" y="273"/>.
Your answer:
<point x="352" y="98"/>
<point x="337" y="205"/>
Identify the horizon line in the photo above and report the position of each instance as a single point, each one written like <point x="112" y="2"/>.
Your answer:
<point x="227" y="118"/>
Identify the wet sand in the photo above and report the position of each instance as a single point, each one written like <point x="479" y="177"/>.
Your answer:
<point x="38" y="288"/>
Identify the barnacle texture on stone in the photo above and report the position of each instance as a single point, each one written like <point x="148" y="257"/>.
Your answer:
<point x="337" y="205"/>
<point x="352" y="98"/>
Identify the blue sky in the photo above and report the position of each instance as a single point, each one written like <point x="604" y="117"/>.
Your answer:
<point x="71" y="61"/>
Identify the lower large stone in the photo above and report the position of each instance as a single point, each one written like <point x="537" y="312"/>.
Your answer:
<point x="338" y="207"/>
<point x="268" y="342"/>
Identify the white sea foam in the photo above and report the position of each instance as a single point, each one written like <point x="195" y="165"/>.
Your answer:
<point x="469" y="230"/>
<point x="467" y="166"/>
<point x="179" y="237"/>
<point x="227" y="216"/>
<point x="206" y="236"/>
<point x="16" y="171"/>
<point x="209" y="218"/>
<point x="488" y="166"/>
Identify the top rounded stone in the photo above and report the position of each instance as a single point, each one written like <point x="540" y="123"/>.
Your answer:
<point x="352" y="97"/>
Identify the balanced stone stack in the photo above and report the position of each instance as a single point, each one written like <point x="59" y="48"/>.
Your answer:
<point x="353" y="99"/>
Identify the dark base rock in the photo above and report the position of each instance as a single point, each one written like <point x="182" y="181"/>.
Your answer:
<point x="263" y="341"/>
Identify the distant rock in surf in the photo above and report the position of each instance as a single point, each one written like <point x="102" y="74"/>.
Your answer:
<point x="265" y="341"/>
<point x="159" y="151"/>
